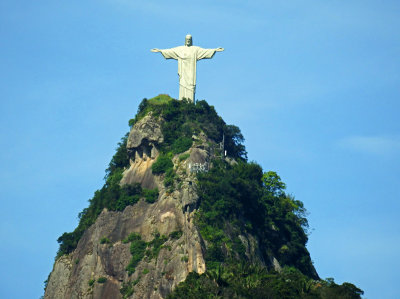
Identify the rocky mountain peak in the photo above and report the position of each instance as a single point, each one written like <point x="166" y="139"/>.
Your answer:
<point x="182" y="214"/>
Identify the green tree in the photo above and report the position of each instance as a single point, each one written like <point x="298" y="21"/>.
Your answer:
<point x="272" y="183"/>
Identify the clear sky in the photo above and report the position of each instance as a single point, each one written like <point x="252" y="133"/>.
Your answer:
<point x="314" y="86"/>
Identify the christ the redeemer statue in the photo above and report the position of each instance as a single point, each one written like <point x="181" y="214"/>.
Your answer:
<point x="187" y="57"/>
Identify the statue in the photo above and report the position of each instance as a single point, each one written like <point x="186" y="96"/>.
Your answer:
<point x="187" y="57"/>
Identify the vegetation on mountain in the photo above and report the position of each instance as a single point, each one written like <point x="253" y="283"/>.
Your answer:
<point x="183" y="119"/>
<point x="237" y="199"/>
<point x="241" y="199"/>
<point x="140" y="249"/>
<point x="250" y="281"/>
<point x="111" y="196"/>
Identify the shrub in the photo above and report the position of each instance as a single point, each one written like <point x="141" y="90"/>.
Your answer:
<point x="91" y="282"/>
<point x="170" y="177"/>
<point x="105" y="240"/>
<point x="162" y="164"/>
<point x="150" y="195"/>
<point x="137" y="250"/>
<point x="182" y="144"/>
<point x="127" y="289"/>
<point x="176" y="234"/>
<point x="156" y="245"/>
<point x="131" y="237"/>
<point x="102" y="280"/>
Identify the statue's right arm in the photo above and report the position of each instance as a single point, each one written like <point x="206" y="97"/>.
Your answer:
<point x="155" y="50"/>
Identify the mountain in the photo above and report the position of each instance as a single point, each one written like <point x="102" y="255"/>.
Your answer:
<point x="183" y="214"/>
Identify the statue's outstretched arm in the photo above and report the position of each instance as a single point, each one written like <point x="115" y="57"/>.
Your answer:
<point x="155" y="50"/>
<point x="219" y="49"/>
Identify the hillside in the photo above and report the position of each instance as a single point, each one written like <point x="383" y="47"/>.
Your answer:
<point x="183" y="214"/>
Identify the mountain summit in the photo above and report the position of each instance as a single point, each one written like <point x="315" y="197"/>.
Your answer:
<point x="183" y="214"/>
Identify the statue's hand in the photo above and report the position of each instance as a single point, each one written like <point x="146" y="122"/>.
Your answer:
<point x="219" y="49"/>
<point x="155" y="50"/>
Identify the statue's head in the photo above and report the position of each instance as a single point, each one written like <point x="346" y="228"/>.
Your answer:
<point x="188" y="40"/>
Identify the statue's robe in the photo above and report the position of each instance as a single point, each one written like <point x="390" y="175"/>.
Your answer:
<point x="187" y="58"/>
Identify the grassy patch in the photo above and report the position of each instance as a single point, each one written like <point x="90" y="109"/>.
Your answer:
<point x="161" y="99"/>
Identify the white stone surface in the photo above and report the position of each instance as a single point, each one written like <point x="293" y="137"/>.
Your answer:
<point x="187" y="57"/>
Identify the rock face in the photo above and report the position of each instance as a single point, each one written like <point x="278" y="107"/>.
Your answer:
<point x="76" y="275"/>
<point x="96" y="270"/>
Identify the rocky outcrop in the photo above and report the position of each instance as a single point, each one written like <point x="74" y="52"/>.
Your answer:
<point x="76" y="275"/>
<point x="96" y="270"/>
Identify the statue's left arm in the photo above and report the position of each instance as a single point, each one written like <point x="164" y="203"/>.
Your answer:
<point x="207" y="53"/>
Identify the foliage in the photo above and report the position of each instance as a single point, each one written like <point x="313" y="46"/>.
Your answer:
<point x="170" y="177"/>
<point x="183" y="119"/>
<point x="238" y="280"/>
<point x="234" y="142"/>
<point x="101" y="279"/>
<point x="272" y="184"/>
<point x="162" y="164"/>
<point x="182" y="144"/>
<point x="156" y="245"/>
<point x="110" y="196"/>
<point x="241" y="198"/>
<point x="120" y="158"/>
<point x="176" y="234"/>
<point x="127" y="290"/>
<point x="184" y="157"/>
<point x="195" y="287"/>
<point x="137" y="249"/>
<point x="150" y="195"/>
<point x="131" y="237"/>
<point x="91" y="282"/>
<point x="105" y="240"/>
<point x="46" y="282"/>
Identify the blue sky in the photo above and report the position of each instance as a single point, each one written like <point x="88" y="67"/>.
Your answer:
<point x="314" y="86"/>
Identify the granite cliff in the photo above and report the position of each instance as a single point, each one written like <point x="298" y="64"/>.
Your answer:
<point x="149" y="227"/>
